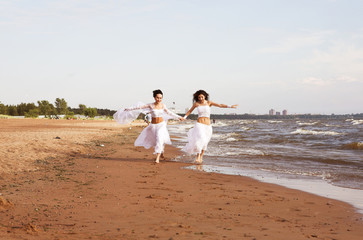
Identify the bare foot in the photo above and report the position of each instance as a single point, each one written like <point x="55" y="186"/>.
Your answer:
<point x="157" y="157"/>
<point x="199" y="167"/>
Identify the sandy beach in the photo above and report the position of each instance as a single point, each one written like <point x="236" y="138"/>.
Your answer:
<point x="62" y="179"/>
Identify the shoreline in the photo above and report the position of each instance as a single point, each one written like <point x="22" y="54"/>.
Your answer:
<point x="310" y="185"/>
<point x="100" y="186"/>
<point x="317" y="185"/>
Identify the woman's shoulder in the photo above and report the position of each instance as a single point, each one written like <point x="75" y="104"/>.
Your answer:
<point x="146" y="106"/>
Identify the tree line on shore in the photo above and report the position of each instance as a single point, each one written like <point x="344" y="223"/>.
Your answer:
<point x="49" y="110"/>
<point x="60" y="107"/>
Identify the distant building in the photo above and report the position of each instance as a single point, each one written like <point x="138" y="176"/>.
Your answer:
<point x="278" y="113"/>
<point x="271" y="112"/>
<point x="284" y="112"/>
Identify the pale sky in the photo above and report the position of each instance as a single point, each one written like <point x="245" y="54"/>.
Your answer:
<point x="305" y="56"/>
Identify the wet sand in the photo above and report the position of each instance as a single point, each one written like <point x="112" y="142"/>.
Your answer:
<point x="64" y="179"/>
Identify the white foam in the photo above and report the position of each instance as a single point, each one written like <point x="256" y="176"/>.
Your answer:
<point x="220" y="124"/>
<point x="248" y="121"/>
<point x="312" y="132"/>
<point x="231" y="139"/>
<point x="321" y="174"/>
<point x="306" y="123"/>
<point x="329" y="125"/>
<point x="252" y="152"/>
<point x="232" y="151"/>
<point x="226" y="136"/>
<point x="272" y="121"/>
<point x="241" y="151"/>
<point x="244" y="128"/>
<point x="218" y="136"/>
<point x="356" y="122"/>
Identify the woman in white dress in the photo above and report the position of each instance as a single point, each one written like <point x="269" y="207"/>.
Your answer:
<point x="155" y="134"/>
<point x="200" y="135"/>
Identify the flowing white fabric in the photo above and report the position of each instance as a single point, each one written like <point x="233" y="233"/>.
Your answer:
<point x="154" y="135"/>
<point x="198" y="138"/>
<point x="126" y="117"/>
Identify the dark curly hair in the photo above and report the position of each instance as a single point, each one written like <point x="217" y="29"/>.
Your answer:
<point x="156" y="92"/>
<point x="197" y="93"/>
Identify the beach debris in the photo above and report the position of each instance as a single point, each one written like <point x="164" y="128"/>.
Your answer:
<point x="5" y="204"/>
<point x="353" y="146"/>
<point x="30" y="228"/>
<point x="42" y="162"/>
<point x="57" y="137"/>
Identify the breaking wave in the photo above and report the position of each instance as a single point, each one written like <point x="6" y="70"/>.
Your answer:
<point x="306" y="123"/>
<point x="312" y="132"/>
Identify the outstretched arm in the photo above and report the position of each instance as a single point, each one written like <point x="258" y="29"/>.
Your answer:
<point x="172" y="114"/>
<point x="190" y="110"/>
<point x="126" y="116"/>
<point x="222" y="105"/>
<point x="137" y="108"/>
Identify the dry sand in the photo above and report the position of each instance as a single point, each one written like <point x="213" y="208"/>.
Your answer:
<point x="92" y="183"/>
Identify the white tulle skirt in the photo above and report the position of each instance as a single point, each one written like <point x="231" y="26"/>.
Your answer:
<point x="154" y="135"/>
<point x="198" y="138"/>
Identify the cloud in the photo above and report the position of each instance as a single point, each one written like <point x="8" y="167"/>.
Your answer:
<point x="18" y="13"/>
<point x="348" y="79"/>
<point x="341" y="53"/>
<point x="315" y="81"/>
<point x="320" y="82"/>
<point x="295" y="42"/>
<point x="343" y="61"/>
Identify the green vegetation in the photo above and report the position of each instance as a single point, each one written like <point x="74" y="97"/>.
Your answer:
<point x="49" y="110"/>
<point x="90" y="112"/>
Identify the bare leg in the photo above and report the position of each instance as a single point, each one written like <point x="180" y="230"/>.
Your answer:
<point x="157" y="157"/>
<point x="162" y="155"/>
<point x="198" y="160"/>
<point x="201" y="156"/>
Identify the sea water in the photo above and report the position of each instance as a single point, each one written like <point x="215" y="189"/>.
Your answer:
<point x="324" y="157"/>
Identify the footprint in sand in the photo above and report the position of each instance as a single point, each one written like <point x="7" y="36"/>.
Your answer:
<point x="5" y="204"/>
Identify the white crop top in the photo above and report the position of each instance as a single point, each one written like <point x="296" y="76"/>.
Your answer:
<point x="156" y="112"/>
<point x="203" y="111"/>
